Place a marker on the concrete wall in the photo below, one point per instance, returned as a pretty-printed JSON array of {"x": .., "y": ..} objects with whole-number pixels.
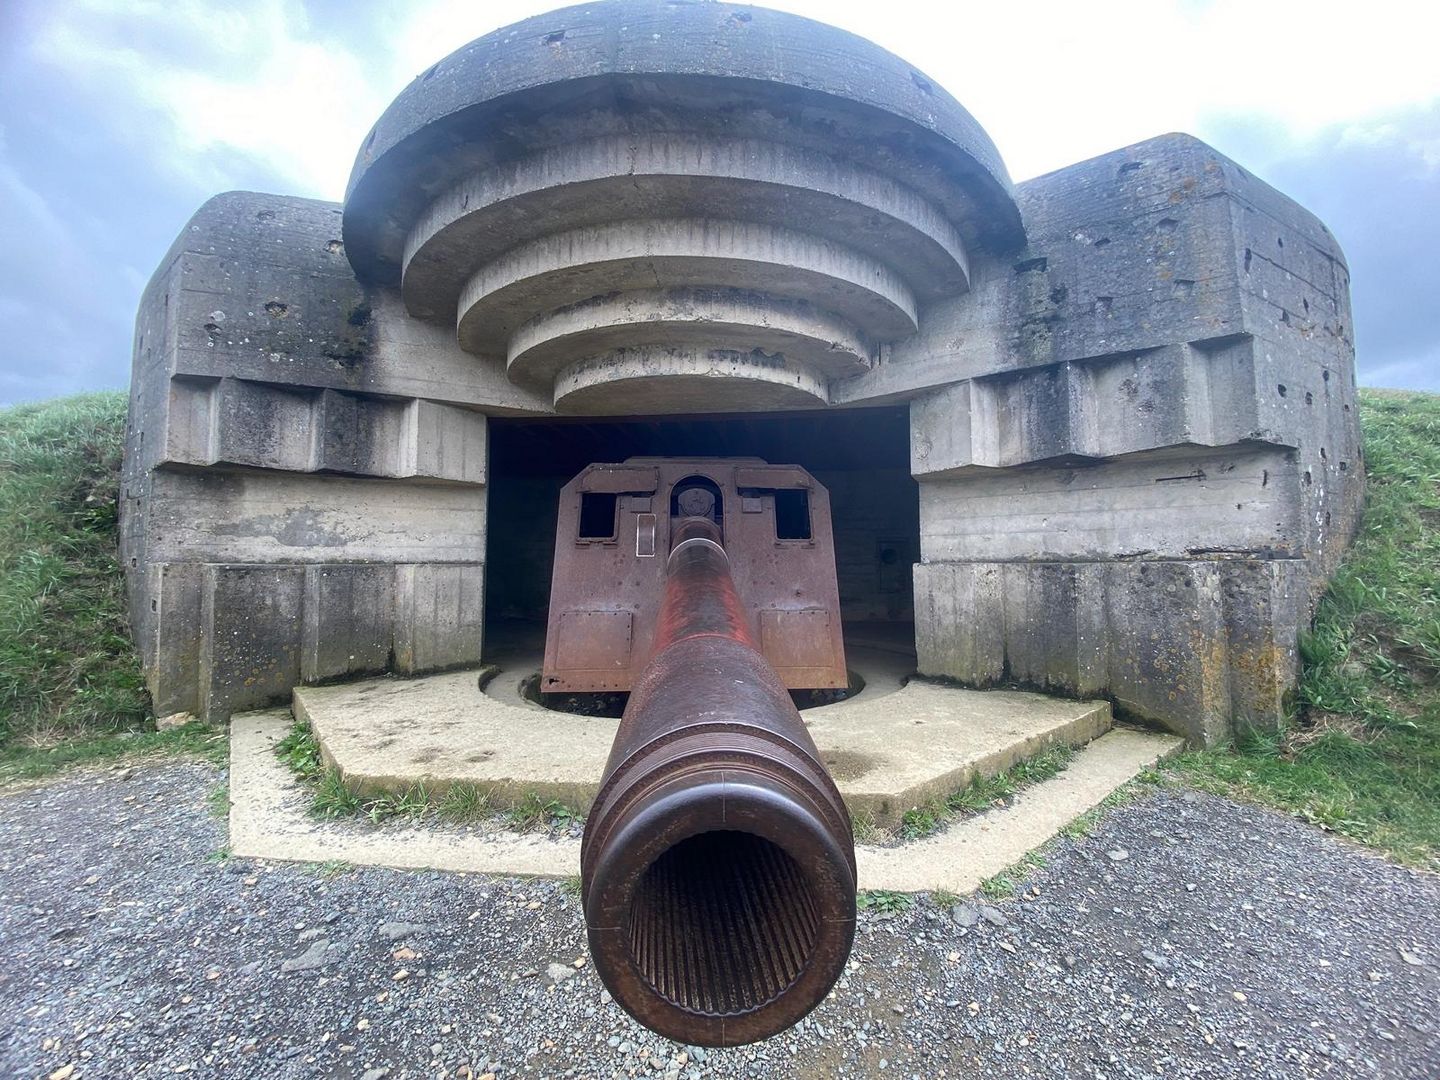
[
  {"x": 1163, "y": 456},
  {"x": 1130, "y": 382},
  {"x": 304, "y": 498}
]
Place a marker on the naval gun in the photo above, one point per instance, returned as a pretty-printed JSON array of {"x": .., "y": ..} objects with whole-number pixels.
[{"x": 718, "y": 862}]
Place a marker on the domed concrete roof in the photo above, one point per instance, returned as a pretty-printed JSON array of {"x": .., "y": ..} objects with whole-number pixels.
[{"x": 611, "y": 190}]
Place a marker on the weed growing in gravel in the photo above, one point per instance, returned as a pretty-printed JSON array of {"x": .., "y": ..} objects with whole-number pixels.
[
  {"x": 330, "y": 868},
  {"x": 571, "y": 885},
  {"x": 218, "y": 801},
  {"x": 943, "y": 898},
  {"x": 533, "y": 812},
  {"x": 883, "y": 901},
  {"x": 983, "y": 793},
  {"x": 1007, "y": 883},
  {"x": 1361, "y": 756}
]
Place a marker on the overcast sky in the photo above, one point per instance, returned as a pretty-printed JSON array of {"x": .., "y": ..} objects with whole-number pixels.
[{"x": 119, "y": 118}]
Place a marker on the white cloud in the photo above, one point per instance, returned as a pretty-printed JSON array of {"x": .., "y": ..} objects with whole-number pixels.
[
  {"x": 1053, "y": 81},
  {"x": 262, "y": 85}
]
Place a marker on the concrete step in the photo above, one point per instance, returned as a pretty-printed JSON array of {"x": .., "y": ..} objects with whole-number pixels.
[
  {"x": 268, "y": 820},
  {"x": 960, "y": 857},
  {"x": 894, "y": 746}
]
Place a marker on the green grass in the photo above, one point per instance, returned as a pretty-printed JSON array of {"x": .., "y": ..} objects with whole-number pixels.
[
  {"x": 463, "y": 802},
  {"x": 983, "y": 793},
  {"x": 67, "y": 667},
  {"x": 533, "y": 812},
  {"x": 332, "y": 797},
  {"x": 1361, "y": 755},
  {"x": 29, "y": 762},
  {"x": 883, "y": 901},
  {"x": 1007, "y": 883},
  {"x": 300, "y": 751}
]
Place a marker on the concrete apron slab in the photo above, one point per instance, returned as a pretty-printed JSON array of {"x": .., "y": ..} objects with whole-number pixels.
[
  {"x": 962, "y": 856},
  {"x": 268, "y": 820},
  {"x": 890, "y": 748}
]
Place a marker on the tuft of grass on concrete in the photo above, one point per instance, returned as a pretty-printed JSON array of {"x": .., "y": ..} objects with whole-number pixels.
[
  {"x": 332, "y": 797},
  {"x": 981, "y": 794},
  {"x": 532, "y": 812},
  {"x": 1361, "y": 755},
  {"x": 300, "y": 750},
  {"x": 68, "y": 672}
]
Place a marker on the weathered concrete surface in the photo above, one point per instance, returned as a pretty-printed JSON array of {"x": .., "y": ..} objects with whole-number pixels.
[
  {"x": 1131, "y": 382},
  {"x": 889, "y": 749},
  {"x": 291, "y": 469},
  {"x": 597, "y": 69},
  {"x": 889, "y": 753},
  {"x": 958, "y": 859},
  {"x": 1198, "y": 644},
  {"x": 268, "y": 821},
  {"x": 1164, "y": 451}
]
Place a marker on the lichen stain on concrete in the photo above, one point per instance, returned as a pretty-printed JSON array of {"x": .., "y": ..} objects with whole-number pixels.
[
  {"x": 300, "y": 528},
  {"x": 850, "y": 764}
]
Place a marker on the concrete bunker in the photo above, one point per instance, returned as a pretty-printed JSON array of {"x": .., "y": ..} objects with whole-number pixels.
[{"x": 1124, "y": 390}]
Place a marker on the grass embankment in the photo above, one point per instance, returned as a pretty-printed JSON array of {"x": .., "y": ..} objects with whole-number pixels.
[
  {"x": 1362, "y": 753},
  {"x": 70, "y": 684}
]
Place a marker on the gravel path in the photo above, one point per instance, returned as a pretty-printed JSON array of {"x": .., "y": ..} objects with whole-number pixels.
[{"x": 1188, "y": 937}]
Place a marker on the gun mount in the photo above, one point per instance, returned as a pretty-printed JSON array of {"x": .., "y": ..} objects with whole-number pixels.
[{"x": 718, "y": 864}]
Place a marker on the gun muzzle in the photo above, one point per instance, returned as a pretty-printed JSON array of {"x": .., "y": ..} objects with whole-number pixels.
[{"x": 718, "y": 864}]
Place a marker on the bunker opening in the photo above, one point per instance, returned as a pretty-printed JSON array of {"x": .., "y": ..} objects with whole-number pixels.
[
  {"x": 722, "y": 923},
  {"x": 860, "y": 456}
]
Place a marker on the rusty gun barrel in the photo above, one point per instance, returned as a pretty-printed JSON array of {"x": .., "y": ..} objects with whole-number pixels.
[{"x": 718, "y": 865}]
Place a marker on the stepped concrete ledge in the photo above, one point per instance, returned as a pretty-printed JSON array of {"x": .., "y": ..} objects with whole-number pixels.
[
  {"x": 890, "y": 748},
  {"x": 268, "y": 820}
]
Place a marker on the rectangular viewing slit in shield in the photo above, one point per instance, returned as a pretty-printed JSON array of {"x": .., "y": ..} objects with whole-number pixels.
[
  {"x": 644, "y": 536},
  {"x": 792, "y": 514},
  {"x": 597, "y": 515}
]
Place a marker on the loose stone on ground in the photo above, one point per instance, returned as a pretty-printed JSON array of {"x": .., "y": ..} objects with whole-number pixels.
[{"x": 1299, "y": 960}]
